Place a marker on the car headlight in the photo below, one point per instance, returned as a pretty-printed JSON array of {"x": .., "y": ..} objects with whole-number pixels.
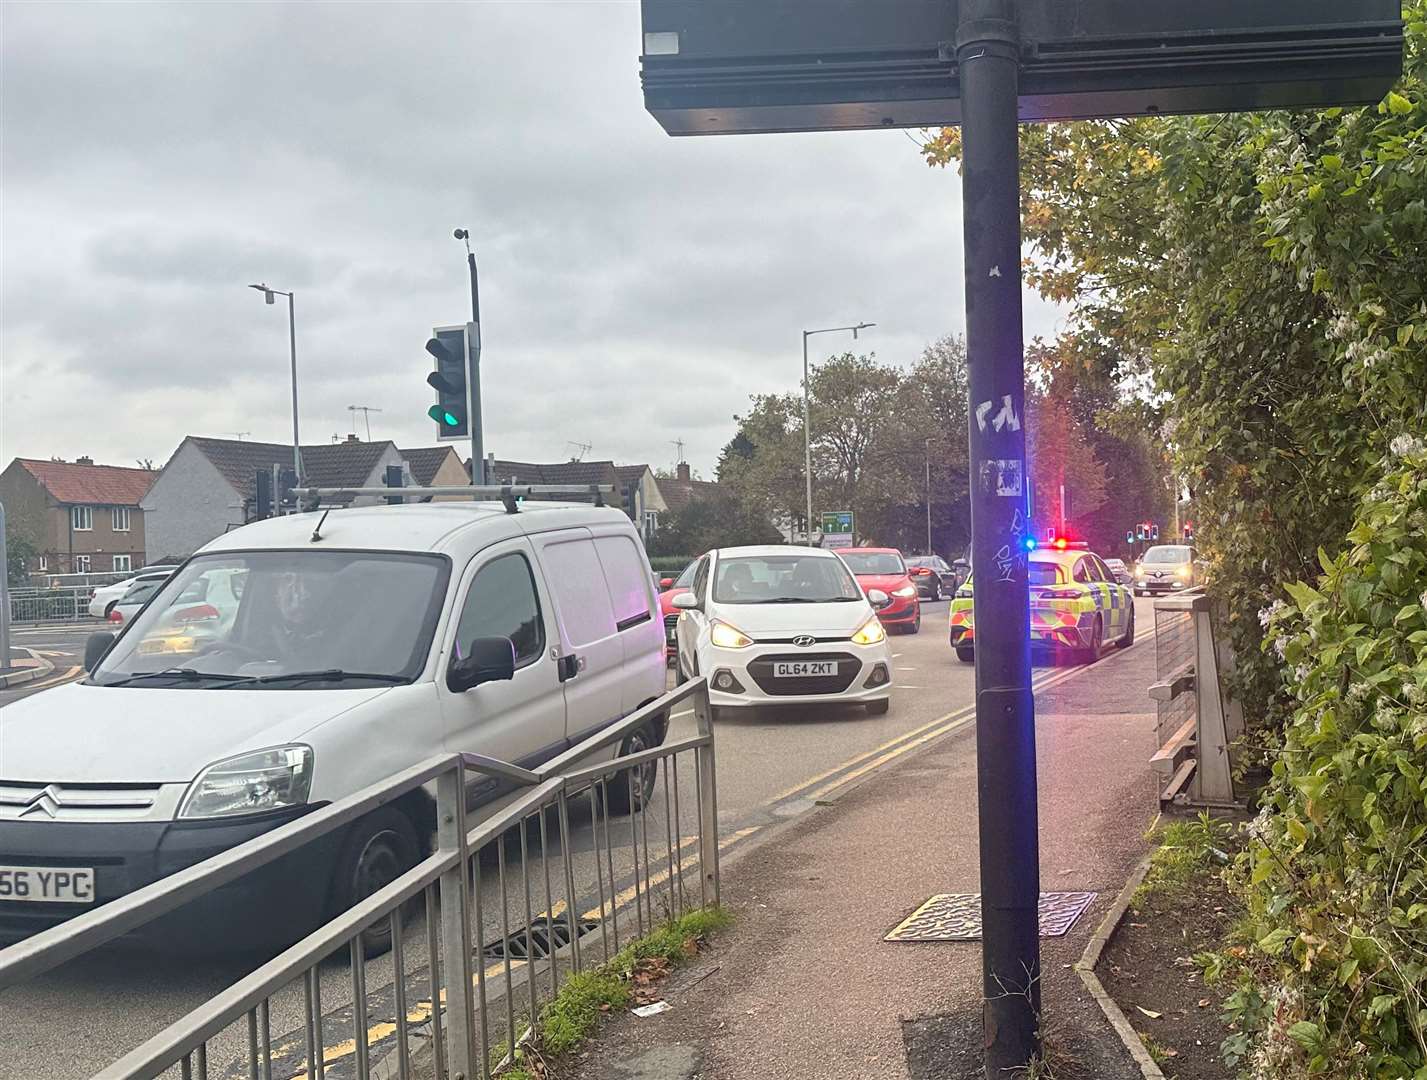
[
  {"x": 726, "y": 636},
  {"x": 963, "y": 593},
  {"x": 250, "y": 783},
  {"x": 1183, "y": 571},
  {"x": 905, "y": 590},
  {"x": 871, "y": 633}
]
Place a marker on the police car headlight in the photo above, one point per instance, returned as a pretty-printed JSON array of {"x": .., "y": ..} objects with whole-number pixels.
[
  {"x": 905, "y": 590},
  {"x": 871, "y": 633},
  {"x": 963, "y": 593},
  {"x": 251, "y": 783}
]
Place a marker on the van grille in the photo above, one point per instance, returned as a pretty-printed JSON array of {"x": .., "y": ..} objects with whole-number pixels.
[{"x": 28, "y": 801}]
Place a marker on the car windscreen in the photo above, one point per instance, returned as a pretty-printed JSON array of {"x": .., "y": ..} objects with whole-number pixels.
[
  {"x": 883, "y": 563},
  {"x": 783, "y": 579},
  {"x": 1044, "y": 573},
  {"x": 285, "y": 620},
  {"x": 1167, "y": 555},
  {"x": 686, "y": 579},
  {"x": 140, "y": 591}
]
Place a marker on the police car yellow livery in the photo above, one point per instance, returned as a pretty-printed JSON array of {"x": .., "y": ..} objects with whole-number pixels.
[{"x": 1076, "y": 605}]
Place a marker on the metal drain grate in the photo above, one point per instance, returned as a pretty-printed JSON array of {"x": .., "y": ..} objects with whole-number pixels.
[
  {"x": 541, "y": 933},
  {"x": 957, "y": 917}
]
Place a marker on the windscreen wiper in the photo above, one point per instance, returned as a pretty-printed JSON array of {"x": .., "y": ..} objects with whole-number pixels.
[
  {"x": 323, "y": 675},
  {"x": 182, "y": 674}
]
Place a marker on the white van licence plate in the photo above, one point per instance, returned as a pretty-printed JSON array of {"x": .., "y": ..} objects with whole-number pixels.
[
  {"x": 802, "y": 669},
  {"x": 47, "y": 884}
]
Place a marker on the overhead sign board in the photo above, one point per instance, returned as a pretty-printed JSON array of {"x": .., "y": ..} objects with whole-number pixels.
[{"x": 714, "y": 67}]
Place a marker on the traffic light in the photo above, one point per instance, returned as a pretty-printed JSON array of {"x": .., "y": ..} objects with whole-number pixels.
[
  {"x": 1129, "y": 536},
  {"x": 1154, "y": 532},
  {"x": 451, "y": 412},
  {"x": 286, "y": 482},
  {"x": 631, "y": 501},
  {"x": 395, "y": 478},
  {"x": 262, "y": 494},
  {"x": 1188, "y": 530}
]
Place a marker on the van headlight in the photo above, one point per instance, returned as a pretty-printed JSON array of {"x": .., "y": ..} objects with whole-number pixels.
[
  {"x": 726, "y": 636},
  {"x": 250, "y": 783},
  {"x": 871, "y": 633}
]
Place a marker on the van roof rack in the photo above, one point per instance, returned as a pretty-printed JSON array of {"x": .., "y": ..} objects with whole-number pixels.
[{"x": 509, "y": 494}]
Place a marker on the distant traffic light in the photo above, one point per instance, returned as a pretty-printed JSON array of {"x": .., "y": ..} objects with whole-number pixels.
[
  {"x": 262, "y": 494},
  {"x": 452, "y": 409},
  {"x": 1154, "y": 532},
  {"x": 395, "y": 478},
  {"x": 286, "y": 483},
  {"x": 1129, "y": 536}
]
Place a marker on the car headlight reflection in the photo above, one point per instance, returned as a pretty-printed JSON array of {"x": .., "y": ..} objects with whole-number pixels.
[
  {"x": 871, "y": 633},
  {"x": 727, "y": 636},
  {"x": 251, "y": 783}
]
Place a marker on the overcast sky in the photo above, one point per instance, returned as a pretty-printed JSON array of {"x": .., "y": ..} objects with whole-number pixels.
[{"x": 635, "y": 288}]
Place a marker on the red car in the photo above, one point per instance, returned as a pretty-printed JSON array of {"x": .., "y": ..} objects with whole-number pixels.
[
  {"x": 883, "y": 568},
  {"x": 668, "y": 611}
]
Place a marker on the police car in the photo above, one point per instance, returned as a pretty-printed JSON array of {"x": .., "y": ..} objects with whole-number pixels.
[{"x": 1076, "y": 604}]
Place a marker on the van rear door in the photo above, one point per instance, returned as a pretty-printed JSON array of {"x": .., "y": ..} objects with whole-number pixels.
[{"x": 636, "y": 615}]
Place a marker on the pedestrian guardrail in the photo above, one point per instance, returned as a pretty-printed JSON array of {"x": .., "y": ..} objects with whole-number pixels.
[
  {"x": 1195, "y": 727},
  {"x": 486, "y": 974},
  {"x": 66, "y": 604}
]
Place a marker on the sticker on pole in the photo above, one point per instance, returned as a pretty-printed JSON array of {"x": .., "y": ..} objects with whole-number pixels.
[{"x": 1002, "y": 476}]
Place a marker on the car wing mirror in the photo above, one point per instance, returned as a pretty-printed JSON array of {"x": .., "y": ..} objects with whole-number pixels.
[
  {"x": 686, "y": 601},
  {"x": 878, "y": 599},
  {"x": 489, "y": 659},
  {"x": 95, "y": 646}
]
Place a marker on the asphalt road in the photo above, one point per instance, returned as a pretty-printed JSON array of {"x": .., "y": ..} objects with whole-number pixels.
[
  {"x": 63, "y": 646},
  {"x": 772, "y": 765}
]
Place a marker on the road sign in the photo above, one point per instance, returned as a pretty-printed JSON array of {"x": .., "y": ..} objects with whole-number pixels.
[
  {"x": 837, "y": 522},
  {"x": 808, "y": 65}
]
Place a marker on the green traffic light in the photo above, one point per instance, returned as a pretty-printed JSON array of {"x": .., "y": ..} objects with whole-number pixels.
[{"x": 441, "y": 416}]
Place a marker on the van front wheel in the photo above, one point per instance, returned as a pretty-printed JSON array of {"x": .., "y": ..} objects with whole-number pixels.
[
  {"x": 381, "y": 847},
  {"x": 632, "y": 787}
]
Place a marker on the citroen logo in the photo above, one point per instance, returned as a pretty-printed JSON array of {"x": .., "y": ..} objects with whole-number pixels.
[
  {"x": 46, "y": 801},
  {"x": 802, "y": 641}
]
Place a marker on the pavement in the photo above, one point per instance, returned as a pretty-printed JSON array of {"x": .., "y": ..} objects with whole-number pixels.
[
  {"x": 23, "y": 666},
  {"x": 44, "y": 656},
  {"x": 805, "y": 986}
]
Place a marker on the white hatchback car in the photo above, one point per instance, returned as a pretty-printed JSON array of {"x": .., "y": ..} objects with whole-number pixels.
[{"x": 783, "y": 626}]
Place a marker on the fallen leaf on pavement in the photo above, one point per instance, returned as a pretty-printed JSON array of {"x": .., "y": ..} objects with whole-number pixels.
[
  {"x": 1149, "y": 1012},
  {"x": 1203, "y": 1002}
]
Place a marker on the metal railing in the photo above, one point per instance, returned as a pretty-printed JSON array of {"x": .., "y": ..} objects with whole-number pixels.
[
  {"x": 590, "y": 883},
  {"x": 1195, "y": 726},
  {"x": 65, "y": 604}
]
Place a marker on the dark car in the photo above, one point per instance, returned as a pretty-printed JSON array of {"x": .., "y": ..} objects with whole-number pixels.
[{"x": 933, "y": 577}]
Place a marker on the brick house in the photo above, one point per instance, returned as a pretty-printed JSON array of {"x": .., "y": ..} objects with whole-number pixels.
[
  {"x": 81, "y": 518},
  {"x": 636, "y": 491}
]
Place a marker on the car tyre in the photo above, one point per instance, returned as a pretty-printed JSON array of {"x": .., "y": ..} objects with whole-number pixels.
[
  {"x": 966, "y": 656},
  {"x": 1096, "y": 649},
  {"x": 110, "y": 607},
  {"x": 936, "y": 591},
  {"x": 1129, "y": 638},
  {"x": 916, "y": 627},
  {"x": 879, "y": 708},
  {"x": 380, "y": 848},
  {"x": 631, "y": 788}
]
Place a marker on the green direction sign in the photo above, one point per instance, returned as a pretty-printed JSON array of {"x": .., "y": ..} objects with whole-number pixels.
[{"x": 837, "y": 522}]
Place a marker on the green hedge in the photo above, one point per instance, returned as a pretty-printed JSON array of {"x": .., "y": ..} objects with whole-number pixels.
[{"x": 670, "y": 564}]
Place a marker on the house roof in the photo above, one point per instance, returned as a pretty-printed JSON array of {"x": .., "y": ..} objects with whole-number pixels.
[
  {"x": 679, "y": 493},
  {"x": 101, "y": 484},
  {"x": 425, "y": 462},
  {"x": 344, "y": 464},
  {"x": 560, "y": 472},
  {"x": 630, "y": 474}
]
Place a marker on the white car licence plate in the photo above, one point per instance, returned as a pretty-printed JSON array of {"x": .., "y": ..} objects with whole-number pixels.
[
  {"x": 801, "y": 669},
  {"x": 47, "y": 884}
]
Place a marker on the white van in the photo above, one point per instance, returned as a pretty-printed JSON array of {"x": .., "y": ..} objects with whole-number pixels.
[{"x": 335, "y": 658}]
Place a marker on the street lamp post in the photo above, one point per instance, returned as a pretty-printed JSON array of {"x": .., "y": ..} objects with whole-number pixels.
[
  {"x": 807, "y": 429},
  {"x": 929, "y": 495},
  {"x": 268, "y": 295}
]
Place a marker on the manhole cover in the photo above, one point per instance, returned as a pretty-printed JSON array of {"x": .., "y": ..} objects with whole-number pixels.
[
  {"x": 542, "y": 933},
  {"x": 957, "y": 917}
]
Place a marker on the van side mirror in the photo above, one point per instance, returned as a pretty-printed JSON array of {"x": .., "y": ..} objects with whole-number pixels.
[
  {"x": 95, "y": 646},
  {"x": 489, "y": 659},
  {"x": 686, "y": 601}
]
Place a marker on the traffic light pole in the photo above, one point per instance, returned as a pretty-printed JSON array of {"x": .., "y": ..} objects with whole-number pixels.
[
  {"x": 473, "y": 375},
  {"x": 987, "y": 49}
]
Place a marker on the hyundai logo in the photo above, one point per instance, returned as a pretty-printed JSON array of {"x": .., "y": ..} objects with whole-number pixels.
[
  {"x": 803, "y": 641},
  {"x": 46, "y": 801}
]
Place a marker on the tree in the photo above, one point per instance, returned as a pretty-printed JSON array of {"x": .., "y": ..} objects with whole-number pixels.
[{"x": 720, "y": 519}]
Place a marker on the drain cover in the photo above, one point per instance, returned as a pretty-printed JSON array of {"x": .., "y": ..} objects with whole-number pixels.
[
  {"x": 541, "y": 935},
  {"x": 957, "y": 917}
]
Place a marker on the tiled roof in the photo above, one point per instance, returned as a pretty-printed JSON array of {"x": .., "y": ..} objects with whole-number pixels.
[
  {"x": 560, "y": 472},
  {"x": 344, "y": 464},
  {"x": 99, "y": 484},
  {"x": 679, "y": 493},
  {"x": 630, "y": 474},
  {"x": 425, "y": 462}
]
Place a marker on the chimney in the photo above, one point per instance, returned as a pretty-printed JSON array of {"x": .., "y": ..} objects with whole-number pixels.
[
  {"x": 84, "y": 461},
  {"x": 353, "y": 437},
  {"x": 682, "y": 470}
]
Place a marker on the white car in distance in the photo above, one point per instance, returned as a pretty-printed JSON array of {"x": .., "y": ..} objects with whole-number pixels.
[
  {"x": 782, "y": 626},
  {"x": 106, "y": 597}
]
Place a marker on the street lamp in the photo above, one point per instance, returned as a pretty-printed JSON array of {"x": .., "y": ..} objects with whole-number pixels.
[
  {"x": 807, "y": 430},
  {"x": 268, "y": 295},
  {"x": 929, "y": 495}
]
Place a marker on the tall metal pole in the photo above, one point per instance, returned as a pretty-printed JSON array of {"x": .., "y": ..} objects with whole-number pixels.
[
  {"x": 473, "y": 372},
  {"x": 292, "y": 344},
  {"x": 987, "y": 49},
  {"x": 928, "y": 449},
  {"x": 807, "y": 447}
]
